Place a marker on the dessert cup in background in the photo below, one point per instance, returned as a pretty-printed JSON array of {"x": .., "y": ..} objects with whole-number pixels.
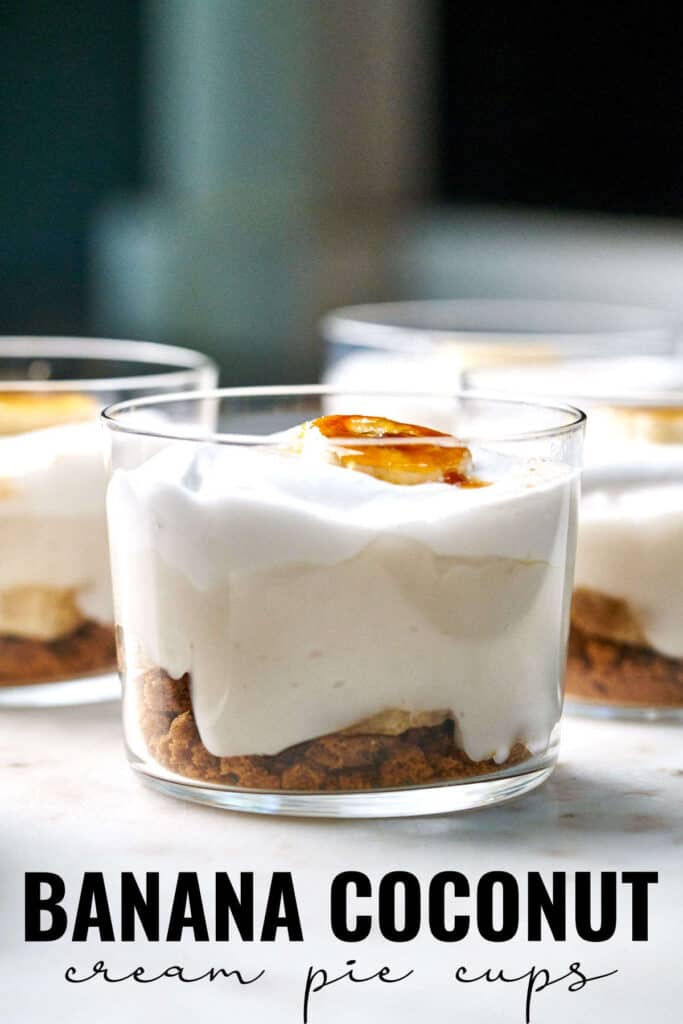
[
  {"x": 57, "y": 642},
  {"x": 333, "y": 613},
  {"x": 427, "y": 345},
  {"x": 626, "y": 640}
]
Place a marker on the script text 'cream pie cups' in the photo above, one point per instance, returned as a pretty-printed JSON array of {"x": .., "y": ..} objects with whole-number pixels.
[
  {"x": 328, "y": 612},
  {"x": 626, "y": 641},
  {"x": 56, "y": 620}
]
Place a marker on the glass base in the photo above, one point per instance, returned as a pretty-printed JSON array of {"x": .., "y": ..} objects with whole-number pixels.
[
  {"x": 593, "y": 709},
  {"x": 417, "y": 800},
  {"x": 85, "y": 690}
]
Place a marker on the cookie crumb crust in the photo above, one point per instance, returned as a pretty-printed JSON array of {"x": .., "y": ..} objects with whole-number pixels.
[
  {"x": 89, "y": 649},
  {"x": 603, "y": 671},
  {"x": 340, "y": 761}
]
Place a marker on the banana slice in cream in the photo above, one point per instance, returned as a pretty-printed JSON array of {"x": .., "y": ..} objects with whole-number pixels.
[{"x": 39, "y": 612}]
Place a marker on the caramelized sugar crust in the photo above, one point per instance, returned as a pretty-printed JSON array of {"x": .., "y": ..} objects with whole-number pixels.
[
  {"x": 346, "y": 760},
  {"x": 406, "y": 464},
  {"x": 659, "y": 424},
  {"x": 22, "y": 411}
]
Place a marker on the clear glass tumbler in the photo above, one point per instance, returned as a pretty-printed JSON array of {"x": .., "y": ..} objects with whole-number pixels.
[
  {"x": 56, "y": 619},
  {"x": 428, "y": 345},
  {"x": 626, "y": 640},
  {"x": 324, "y": 608}
]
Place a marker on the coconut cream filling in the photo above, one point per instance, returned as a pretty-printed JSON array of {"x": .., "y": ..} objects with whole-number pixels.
[
  {"x": 53, "y": 537},
  {"x": 630, "y": 543},
  {"x": 302, "y": 597}
]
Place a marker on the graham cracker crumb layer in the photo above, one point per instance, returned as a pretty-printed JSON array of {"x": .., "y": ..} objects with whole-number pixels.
[
  {"x": 602, "y": 671},
  {"x": 88, "y": 650},
  {"x": 340, "y": 761}
]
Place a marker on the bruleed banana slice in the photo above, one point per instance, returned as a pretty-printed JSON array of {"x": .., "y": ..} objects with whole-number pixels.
[
  {"x": 442, "y": 461},
  {"x": 609, "y": 618},
  {"x": 22, "y": 411},
  {"x": 395, "y": 721},
  {"x": 658, "y": 424}
]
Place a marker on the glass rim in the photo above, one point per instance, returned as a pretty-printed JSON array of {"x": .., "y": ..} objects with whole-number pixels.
[
  {"x": 183, "y": 362},
  {"x": 370, "y": 325},
  {"x": 108, "y": 416}
]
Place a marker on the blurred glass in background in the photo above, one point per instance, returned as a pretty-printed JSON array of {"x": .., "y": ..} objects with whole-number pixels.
[{"x": 219, "y": 173}]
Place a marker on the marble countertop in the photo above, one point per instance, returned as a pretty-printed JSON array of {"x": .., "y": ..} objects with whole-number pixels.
[{"x": 614, "y": 803}]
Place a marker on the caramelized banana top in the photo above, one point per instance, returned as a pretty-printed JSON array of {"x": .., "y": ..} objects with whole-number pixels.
[
  {"x": 660, "y": 424},
  {"x": 22, "y": 411},
  {"x": 406, "y": 464}
]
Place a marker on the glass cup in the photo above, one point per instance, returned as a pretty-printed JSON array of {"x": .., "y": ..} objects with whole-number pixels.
[
  {"x": 428, "y": 345},
  {"x": 323, "y": 609},
  {"x": 626, "y": 640},
  {"x": 57, "y": 641}
]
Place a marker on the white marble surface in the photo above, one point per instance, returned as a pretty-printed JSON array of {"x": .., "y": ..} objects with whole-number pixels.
[{"x": 71, "y": 805}]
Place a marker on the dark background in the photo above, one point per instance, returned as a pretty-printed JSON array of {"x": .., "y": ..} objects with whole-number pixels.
[
  {"x": 69, "y": 134},
  {"x": 581, "y": 112}
]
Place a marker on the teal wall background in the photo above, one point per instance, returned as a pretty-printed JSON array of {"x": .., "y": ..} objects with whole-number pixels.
[{"x": 69, "y": 136}]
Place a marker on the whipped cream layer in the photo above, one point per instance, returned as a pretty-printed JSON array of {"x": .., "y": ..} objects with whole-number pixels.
[
  {"x": 52, "y": 521},
  {"x": 303, "y": 597},
  {"x": 630, "y": 543}
]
